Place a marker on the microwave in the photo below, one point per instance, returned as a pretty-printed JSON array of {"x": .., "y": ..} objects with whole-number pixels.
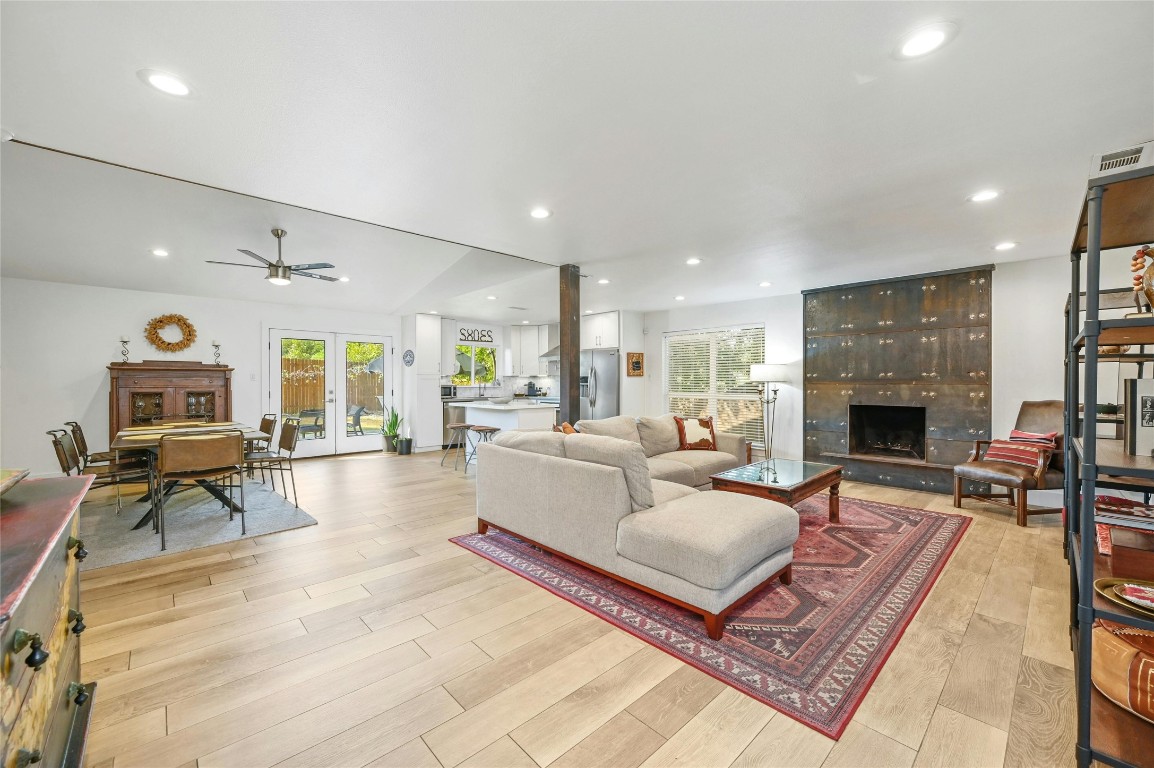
[{"x": 447, "y": 391}]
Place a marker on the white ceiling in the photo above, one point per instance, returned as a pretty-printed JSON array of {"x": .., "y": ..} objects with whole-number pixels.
[{"x": 777, "y": 141}]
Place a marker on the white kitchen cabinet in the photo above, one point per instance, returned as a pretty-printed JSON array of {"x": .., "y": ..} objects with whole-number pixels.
[
  {"x": 526, "y": 345},
  {"x": 514, "y": 356},
  {"x": 427, "y": 349},
  {"x": 429, "y": 413},
  {"x": 449, "y": 329},
  {"x": 600, "y": 331},
  {"x": 530, "y": 351}
]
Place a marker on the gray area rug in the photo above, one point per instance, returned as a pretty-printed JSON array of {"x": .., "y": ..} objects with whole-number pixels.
[{"x": 192, "y": 519}]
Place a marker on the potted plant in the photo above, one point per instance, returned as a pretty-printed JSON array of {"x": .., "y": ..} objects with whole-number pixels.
[
  {"x": 391, "y": 428},
  {"x": 405, "y": 444}
]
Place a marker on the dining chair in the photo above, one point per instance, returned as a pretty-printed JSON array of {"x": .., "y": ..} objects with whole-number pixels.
[
  {"x": 112, "y": 473},
  {"x": 280, "y": 458},
  {"x": 100, "y": 457},
  {"x": 354, "y": 420},
  {"x": 212, "y": 457}
]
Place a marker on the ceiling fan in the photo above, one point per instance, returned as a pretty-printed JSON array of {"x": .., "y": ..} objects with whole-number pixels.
[{"x": 280, "y": 273}]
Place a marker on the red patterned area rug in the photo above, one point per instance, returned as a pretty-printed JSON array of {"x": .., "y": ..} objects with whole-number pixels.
[{"x": 810, "y": 650}]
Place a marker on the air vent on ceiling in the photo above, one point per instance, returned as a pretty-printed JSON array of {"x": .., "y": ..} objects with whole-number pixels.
[
  {"x": 1140, "y": 156},
  {"x": 520, "y": 309}
]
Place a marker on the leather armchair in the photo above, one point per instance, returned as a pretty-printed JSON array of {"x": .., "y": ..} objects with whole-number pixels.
[{"x": 1018, "y": 480}]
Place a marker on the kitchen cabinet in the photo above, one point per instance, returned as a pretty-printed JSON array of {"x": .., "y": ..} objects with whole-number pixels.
[
  {"x": 428, "y": 345},
  {"x": 137, "y": 392},
  {"x": 526, "y": 345},
  {"x": 449, "y": 331},
  {"x": 601, "y": 331}
]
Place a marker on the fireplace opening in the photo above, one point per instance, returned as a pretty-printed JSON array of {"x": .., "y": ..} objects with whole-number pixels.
[{"x": 888, "y": 430}]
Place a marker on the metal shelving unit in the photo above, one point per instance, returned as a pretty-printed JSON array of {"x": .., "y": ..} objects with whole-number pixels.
[{"x": 1118, "y": 213}]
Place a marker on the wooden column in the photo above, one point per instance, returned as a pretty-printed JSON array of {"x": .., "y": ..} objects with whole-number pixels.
[{"x": 570, "y": 343}]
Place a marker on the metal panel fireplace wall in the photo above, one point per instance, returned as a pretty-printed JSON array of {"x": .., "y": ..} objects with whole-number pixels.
[{"x": 919, "y": 342}]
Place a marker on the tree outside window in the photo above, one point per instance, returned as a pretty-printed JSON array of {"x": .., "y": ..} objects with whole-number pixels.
[{"x": 475, "y": 365}]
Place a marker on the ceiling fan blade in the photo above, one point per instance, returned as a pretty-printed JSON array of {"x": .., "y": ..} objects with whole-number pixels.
[
  {"x": 234, "y": 264},
  {"x": 315, "y": 277},
  {"x": 295, "y": 267},
  {"x": 261, "y": 259}
]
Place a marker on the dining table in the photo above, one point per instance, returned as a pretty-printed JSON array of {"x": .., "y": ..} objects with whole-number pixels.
[{"x": 146, "y": 438}]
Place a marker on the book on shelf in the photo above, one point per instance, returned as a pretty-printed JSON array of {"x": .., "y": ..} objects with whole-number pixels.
[{"x": 1123, "y": 513}]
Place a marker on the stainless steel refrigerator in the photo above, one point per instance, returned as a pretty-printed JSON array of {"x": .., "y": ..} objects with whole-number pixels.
[{"x": 600, "y": 383}]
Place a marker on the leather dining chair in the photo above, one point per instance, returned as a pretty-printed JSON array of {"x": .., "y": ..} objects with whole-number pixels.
[
  {"x": 1042, "y": 416},
  {"x": 213, "y": 457},
  {"x": 279, "y": 459},
  {"x": 100, "y": 457},
  {"x": 112, "y": 473}
]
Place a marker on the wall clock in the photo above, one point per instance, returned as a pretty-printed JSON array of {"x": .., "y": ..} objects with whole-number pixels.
[{"x": 408, "y": 357}]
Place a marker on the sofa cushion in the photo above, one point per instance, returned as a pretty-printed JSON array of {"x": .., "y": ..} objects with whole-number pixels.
[
  {"x": 664, "y": 491},
  {"x": 613, "y": 452},
  {"x": 696, "y": 434},
  {"x": 703, "y": 463},
  {"x": 671, "y": 471},
  {"x": 621, "y": 427},
  {"x": 709, "y": 538},
  {"x": 658, "y": 434},
  {"x": 533, "y": 441}
]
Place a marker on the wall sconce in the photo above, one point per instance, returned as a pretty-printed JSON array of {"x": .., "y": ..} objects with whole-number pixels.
[
  {"x": 215, "y": 352},
  {"x": 124, "y": 348}
]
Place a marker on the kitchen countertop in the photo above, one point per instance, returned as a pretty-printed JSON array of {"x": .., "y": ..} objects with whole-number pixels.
[{"x": 513, "y": 406}]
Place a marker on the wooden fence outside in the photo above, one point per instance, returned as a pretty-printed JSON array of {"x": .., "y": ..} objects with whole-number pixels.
[{"x": 303, "y": 387}]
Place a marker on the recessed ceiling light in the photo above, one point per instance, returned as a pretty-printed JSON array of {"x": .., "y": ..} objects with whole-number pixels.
[
  {"x": 159, "y": 252},
  {"x": 432, "y": 311},
  {"x": 1004, "y": 246},
  {"x": 491, "y": 298},
  {"x": 983, "y": 196},
  {"x": 540, "y": 213},
  {"x": 524, "y": 322},
  {"x": 603, "y": 281},
  {"x": 343, "y": 279},
  {"x": 588, "y": 311},
  {"x": 679, "y": 298},
  {"x": 693, "y": 262},
  {"x": 926, "y": 40},
  {"x": 764, "y": 284},
  {"x": 163, "y": 81}
]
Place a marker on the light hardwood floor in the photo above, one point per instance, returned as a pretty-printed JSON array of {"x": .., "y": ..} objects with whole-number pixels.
[{"x": 370, "y": 640}]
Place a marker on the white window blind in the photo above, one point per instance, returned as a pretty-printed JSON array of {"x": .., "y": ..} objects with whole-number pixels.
[{"x": 707, "y": 374}]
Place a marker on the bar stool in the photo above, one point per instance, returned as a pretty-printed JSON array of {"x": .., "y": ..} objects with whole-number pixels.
[
  {"x": 484, "y": 435},
  {"x": 458, "y": 442}
]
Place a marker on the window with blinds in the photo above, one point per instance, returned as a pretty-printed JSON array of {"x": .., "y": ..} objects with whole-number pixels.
[{"x": 707, "y": 374}]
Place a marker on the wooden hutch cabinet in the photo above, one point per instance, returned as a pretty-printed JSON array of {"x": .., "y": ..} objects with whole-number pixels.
[{"x": 139, "y": 391}]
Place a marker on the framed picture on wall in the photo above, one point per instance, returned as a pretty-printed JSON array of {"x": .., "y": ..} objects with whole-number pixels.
[{"x": 634, "y": 363}]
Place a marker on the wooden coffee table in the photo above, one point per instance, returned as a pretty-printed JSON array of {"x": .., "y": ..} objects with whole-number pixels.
[{"x": 783, "y": 480}]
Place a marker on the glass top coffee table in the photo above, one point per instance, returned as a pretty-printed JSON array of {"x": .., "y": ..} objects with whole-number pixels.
[{"x": 783, "y": 480}]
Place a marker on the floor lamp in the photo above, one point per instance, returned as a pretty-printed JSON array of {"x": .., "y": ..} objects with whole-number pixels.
[{"x": 768, "y": 374}]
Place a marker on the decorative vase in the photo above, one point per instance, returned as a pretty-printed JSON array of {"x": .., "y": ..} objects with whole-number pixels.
[{"x": 390, "y": 443}]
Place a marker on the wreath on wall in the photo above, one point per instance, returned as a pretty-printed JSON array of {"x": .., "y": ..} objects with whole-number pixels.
[{"x": 158, "y": 324}]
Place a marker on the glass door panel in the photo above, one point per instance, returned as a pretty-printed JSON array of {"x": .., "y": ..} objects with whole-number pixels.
[
  {"x": 367, "y": 391},
  {"x": 302, "y": 387}
]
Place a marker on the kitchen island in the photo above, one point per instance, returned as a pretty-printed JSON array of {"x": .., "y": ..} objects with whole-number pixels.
[{"x": 512, "y": 415}]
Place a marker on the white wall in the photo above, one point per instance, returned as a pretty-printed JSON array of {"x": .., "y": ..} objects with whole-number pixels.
[{"x": 56, "y": 341}]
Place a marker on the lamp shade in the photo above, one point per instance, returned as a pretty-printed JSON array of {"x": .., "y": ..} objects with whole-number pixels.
[{"x": 769, "y": 373}]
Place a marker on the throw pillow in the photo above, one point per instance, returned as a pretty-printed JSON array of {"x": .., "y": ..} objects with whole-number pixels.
[
  {"x": 658, "y": 434},
  {"x": 696, "y": 434},
  {"x": 1011, "y": 452},
  {"x": 567, "y": 428},
  {"x": 1047, "y": 440}
]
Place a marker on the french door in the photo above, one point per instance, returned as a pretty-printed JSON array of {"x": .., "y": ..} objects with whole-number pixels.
[{"x": 337, "y": 384}]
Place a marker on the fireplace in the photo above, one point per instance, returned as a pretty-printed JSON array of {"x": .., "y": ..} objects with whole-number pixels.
[{"x": 888, "y": 430}]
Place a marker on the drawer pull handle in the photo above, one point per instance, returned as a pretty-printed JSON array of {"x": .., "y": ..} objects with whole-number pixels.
[
  {"x": 79, "y": 694},
  {"x": 78, "y": 545},
  {"x": 78, "y": 617},
  {"x": 22, "y": 639},
  {"x": 27, "y": 757}
]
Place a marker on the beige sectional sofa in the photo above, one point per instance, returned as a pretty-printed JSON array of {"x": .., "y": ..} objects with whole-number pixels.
[
  {"x": 590, "y": 498},
  {"x": 657, "y": 436}
]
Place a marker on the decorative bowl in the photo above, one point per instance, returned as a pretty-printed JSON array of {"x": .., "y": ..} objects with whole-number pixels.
[
  {"x": 1114, "y": 349},
  {"x": 500, "y": 400}
]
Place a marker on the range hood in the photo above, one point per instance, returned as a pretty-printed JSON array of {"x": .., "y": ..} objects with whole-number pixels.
[{"x": 552, "y": 354}]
